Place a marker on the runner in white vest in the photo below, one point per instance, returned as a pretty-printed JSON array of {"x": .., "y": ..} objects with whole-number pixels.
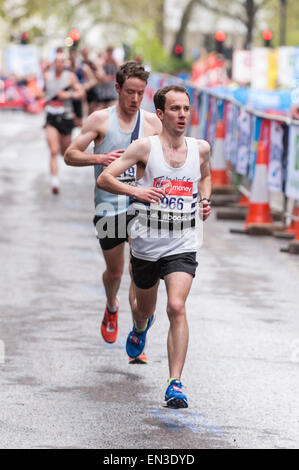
[{"x": 173, "y": 174}]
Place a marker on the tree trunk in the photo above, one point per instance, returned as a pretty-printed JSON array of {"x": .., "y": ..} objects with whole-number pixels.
[
  {"x": 180, "y": 35},
  {"x": 283, "y": 16},
  {"x": 250, "y": 18},
  {"x": 160, "y": 20}
]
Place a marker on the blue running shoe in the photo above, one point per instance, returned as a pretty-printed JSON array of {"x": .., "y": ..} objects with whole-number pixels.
[
  {"x": 174, "y": 397},
  {"x": 136, "y": 341}
]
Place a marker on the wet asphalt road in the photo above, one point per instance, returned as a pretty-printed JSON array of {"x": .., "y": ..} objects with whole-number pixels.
[{"x": 63, "y": 387}]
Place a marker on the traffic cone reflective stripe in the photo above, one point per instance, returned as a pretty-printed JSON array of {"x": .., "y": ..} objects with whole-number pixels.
[
  {"x": 219, "y": 172},
  {"x": 259, "y": 209}
]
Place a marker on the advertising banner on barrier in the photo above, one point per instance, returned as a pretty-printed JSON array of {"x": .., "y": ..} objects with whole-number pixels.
[
  {"x": 265, "y": 136},
  {"x": 275, "y": 163},
  {"x": 203, "y": 114},
  {"x": 244, "y": 143},
  {"x": 257, "y": 125},
  {"x": 292, "y": 186},
  {"x": 232, "y": 133}
]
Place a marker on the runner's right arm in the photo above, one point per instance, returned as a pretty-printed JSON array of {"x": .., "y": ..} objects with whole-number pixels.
[
  {"x": 75, "y": 155},
  {"x": 136, "y": 153}
]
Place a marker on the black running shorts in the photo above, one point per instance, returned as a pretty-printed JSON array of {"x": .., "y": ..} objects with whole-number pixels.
[
  {"x": 118, "y": 224},
  {"x": 64, "y": 126},
  {"x": 147, "y": 273}
]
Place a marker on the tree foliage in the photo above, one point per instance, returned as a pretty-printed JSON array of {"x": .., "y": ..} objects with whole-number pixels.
[
  {"x": 274, "y": 19},
  {"x": 124, "y": 13},
  {"x": 148, "y": 45}
]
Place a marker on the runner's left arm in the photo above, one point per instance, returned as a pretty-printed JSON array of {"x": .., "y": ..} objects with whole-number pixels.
[{"x": 205, "y": 183}]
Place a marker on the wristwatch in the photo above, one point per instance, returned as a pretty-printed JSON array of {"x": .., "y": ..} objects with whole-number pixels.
[{"x": 205, "y": 199}]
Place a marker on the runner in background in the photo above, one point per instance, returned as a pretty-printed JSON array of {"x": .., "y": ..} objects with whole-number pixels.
[
  {"x": 87, "y": 79},
  {"x": 61, "y": 87},
  {"x": 107, "y": 95}
]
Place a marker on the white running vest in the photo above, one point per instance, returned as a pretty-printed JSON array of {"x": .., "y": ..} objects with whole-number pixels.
[{"x": 169, "y": 227}]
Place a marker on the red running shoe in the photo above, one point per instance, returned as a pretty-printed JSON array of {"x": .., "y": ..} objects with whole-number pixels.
[{"x": 109, "y": 328}]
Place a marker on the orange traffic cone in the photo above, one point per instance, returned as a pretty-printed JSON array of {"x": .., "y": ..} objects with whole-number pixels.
[
  {"x": 293, "y": 228},
  {"x": 259, "y": 214},
  {"x": 294, "y": 244},
  {"x": 244, "y": 201},
  {"x": 293, "y": 247},
  {"x": 220, "y": 176}
]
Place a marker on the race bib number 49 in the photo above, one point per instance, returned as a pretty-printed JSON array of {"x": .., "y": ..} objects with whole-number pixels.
[{"x": 128, "y": 176}]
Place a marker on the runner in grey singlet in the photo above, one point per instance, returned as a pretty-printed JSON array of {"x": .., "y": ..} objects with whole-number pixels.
[{"x": 115, "y": 139}]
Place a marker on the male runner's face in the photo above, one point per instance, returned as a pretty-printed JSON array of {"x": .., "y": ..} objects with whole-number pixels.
[
  {"x": 130, "y": 95},
  {"x": 176, "y": 112}
]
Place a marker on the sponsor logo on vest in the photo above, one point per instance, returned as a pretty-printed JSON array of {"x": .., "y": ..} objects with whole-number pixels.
[{"x": 174, "y": 187}]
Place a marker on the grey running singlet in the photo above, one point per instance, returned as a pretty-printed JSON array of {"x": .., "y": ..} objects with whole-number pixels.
[
  {"x": 53, "y": 86},
  {"x": 107, "y": 203}
]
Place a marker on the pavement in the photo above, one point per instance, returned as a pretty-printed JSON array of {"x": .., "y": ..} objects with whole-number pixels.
[{"x": 63, "y": 387}]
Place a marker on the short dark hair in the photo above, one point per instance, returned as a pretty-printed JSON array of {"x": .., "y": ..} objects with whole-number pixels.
[
  {"x": 131, "y": 69},
  {"x": 160, "y": 95}
]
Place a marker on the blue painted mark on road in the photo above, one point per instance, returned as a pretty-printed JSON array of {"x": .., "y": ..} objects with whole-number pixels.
[
  {"x": 203, "y": 422},
  {"x": 195, "y": 422},
  {"x": 185, "y": 421},
  {"x": 166, "y": 420}
]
